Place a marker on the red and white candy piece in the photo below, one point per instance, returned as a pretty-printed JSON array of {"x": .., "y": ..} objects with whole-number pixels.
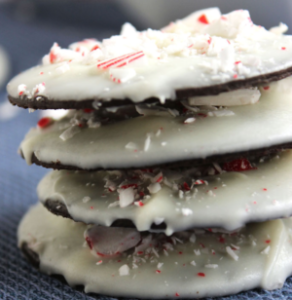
[
  {"x": 120, "y": 61},
  {"x": 238, "y": 165},
  {"x": 21, "y": 89},
  {"x": 122, "y": 75},
  {"x": 45, "y": 122},
  {"x": 111, "y": 241}
]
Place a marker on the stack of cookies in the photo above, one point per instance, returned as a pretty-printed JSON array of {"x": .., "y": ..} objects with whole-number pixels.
[{"x": 172, "y": 162}]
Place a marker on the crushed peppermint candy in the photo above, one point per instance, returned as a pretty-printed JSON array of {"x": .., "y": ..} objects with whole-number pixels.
[
  {"x": 69, "y": 133},
  {"x": 266, "y": 250},
  {"x": 131, "y": 146},
  {"x": 86, "y": 199},
  {"x": 147, "y": 143},
  {"x": 211, "y": 266},
  {"x": 21, "y": 89},
  {"x": 126, "y": 196},
  {"x": 189, "y": 120},
  {"x": 45, "y": 122},
  {"x": 231, "y": 253},
  {"x": 124, "y": 270},
  {"x": 154, "y": 188}
]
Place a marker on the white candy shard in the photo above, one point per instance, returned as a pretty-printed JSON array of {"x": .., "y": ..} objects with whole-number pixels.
[
  {"x": 131, "y": 146},
  {"x": 192, "y": 238},
  {"x": 231, "y": 253},
  {"x": 211, "y": 266},
  {"x": 126, "y": 196},
  {"x": 110, "y": 241},
  {"x": 190, "y": 120},
  {"x": 279, "y": 30},
  {"x": 147, "y": 143},
  {"x": 221, "y": 113},
  {"x": 128, "y": 29},
  {"x": 266, "y": 250},
  {"x": 233, "y": 98},
  {"x": 159, "y": 265},
  {"x": 69, "y": 133},
  {"x": 122, "y": 75},
  {"x": 86, "y": 199},
  {"x": 186, "y": 211},
  {"x": 154, "y": 188},
  {"x": 124, "y": 270}
]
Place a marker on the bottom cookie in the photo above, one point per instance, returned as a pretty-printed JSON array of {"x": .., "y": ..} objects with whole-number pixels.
[{"x": 192, "y": 264}]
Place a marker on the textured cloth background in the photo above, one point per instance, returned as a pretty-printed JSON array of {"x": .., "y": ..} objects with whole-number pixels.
[{"x": 18, "y": 280}]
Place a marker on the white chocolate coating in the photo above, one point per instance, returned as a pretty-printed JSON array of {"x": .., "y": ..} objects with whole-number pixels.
[
  {"x": 229, "y": 200},
  {"x": 192, "y": 53},
  {"x": 260, "y": 255},
  {"x": 264, "y": 124}
]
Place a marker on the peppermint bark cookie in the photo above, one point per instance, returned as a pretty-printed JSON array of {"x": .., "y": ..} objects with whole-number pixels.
[
  {"x": 188, "y": 58},
  {"x": 174, "y": 201},
  {"x": 190, "y": 264},
  {"x": 165, "y": 137}
]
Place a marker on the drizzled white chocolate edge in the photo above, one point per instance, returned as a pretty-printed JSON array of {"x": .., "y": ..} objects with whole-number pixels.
[
  {"x": 227, "y": 200},
  {"x": 155, "y": 140},
  {"x": 206, "y": 265},
  {"x": 203, "y": 50}
]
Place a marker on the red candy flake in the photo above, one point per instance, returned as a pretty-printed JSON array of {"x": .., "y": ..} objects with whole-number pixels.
[
  {"x": 126, "y": 186},
  {"x": 238, "y": 62},
  {"x": 20, "y": 93},
  {"x": 238, "y": 165},
  {"x": 53, "y": 57},
  {"x": 235, "y": 76},
  {"x": 221, "y": 240},
  {"x": 89, "y": 242},
  {"x": 202, "y": 245},
  {"x": 223, "y": 18},
  {"x": 202, "y": 115},
  {"x": 91, "y": 207},
  {"x": 120, "y": 61},
  {"x": 266, "y": 88},
  {"x": 142, "y": 194},
  {"x": 200, "y": 274},
  {"x": 140, "y": 203},
  {"x": 158, "y": 271},
  {"x": 88, "y": 110},
  {"x": 176, "y": 294},
  {"x": 209, "y": 40},
  {"x": 203, "y": 19},
  {"x": 186, "y": 186},
  {"x": 140, "y": 252},
  {"x": 44, "y": 122},
  {"x": 180, "y": 253},
  {"x": 267, "y": 241},
  {"x": 41, "y": 73},
  {"x": 283, "y": 48},
  {"x": 94, "y": 48},
  {"x": 159, "y": 179},
  {"x": 265, "y": 190}
]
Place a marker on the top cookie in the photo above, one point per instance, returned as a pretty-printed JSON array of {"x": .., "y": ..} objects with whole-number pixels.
[{"x": 204, "y": 54}]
